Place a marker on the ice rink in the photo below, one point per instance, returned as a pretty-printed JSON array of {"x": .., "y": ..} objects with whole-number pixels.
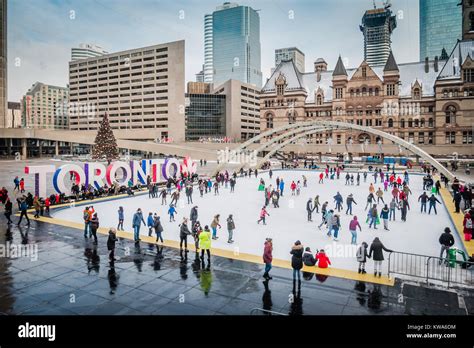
[{"x": 419, "y": 235}]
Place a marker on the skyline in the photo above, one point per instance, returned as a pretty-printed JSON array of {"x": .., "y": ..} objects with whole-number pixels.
[{"x": 49, "y": 27}]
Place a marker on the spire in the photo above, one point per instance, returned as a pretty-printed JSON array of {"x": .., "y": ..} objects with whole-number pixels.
[
  {"x": 339, "y": 69},
  {"x": 391, "y": 64}
]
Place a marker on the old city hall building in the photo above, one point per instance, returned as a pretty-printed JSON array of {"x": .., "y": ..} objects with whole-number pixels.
[{"x": 428, "y": 103}]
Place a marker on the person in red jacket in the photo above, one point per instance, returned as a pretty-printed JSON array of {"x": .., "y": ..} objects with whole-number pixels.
[
  {"x": 22, "y": 185},
  {"x": 467, "y": 223},
  {"x": 321, "y": 177},
  {"x": 267, "y": 257},
  {"x": 322, "y": 259},
  {"x": 293, "y": 188},
  {"x": 47, "y": 204}
]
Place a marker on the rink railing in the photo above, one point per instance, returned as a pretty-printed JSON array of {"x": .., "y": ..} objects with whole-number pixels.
[{"x": 431, "y": 268}]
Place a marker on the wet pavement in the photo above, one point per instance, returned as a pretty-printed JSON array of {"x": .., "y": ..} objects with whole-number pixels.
[{"x": 68, "y": 275}]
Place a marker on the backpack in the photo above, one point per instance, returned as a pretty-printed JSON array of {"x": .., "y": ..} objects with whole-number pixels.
[
  {"x": 469, "y": 224},
  {"x": 86, "y": 216}
]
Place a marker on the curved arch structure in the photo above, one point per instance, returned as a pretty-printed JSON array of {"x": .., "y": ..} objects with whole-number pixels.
[{"x": 298, "y": 130}]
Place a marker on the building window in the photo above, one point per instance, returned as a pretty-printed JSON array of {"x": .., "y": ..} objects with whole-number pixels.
[
  {"x": 422, "y": 123},
  {"x": 411, "y": 138},
  {"x": 421, "y": 138},
  {"x": 339, "y": 93},
  {"x": 417, "y": 123},
  {"x": 430, "y": 122},
  {"x": 292, "y": 117},
  {"x": 364, "y": 91},
  {"x": 351, "y": 93},
  {"x": 471, "y": 21},
  {"x": 410, "y": 123},
  {"x": 445, "y": 93},
  {"x": 338, "y": 139},
  {"x": 467, "y": 137},
  {"x": 450, "y": 137},
  {"x": 391, "y": 89},
  {"x": 269, "y": 119},
  {"x": 430, "y": 137},
  {"x": 450, "y": 115},
  {"x": 402, "y": 123},
  {"x": 319, "y": 100},
  {"x": 416, "y": 93},
  {"x": 390, "y": 123},
  {"x": 468, "y": 75},
  {"x": 280, "y": 89},
  {"x": 364, "y": 72},
  {"x": 376, "y": 91}
]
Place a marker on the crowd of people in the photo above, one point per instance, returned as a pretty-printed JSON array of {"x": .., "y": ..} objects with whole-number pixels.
[{"x": 387, "y": 190}]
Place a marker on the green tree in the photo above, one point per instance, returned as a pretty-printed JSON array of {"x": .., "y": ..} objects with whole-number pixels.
[{"x": 105, "y": 145}]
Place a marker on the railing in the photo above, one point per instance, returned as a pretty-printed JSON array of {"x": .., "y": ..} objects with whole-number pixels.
[
  {"x": 266, "y": 311},
  {"x": 431, "y": 268}
]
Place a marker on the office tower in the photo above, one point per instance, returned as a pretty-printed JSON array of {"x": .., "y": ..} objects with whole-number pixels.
[
  {"x": 45, "y": 106},
  {"x": 3, "y": 63},
  {"x": 290, "y": 53},
  {"x": 440, "y": 27},
  {"x": 200, "y": 75},
  {"x": 236, "y": 44},
  {"x": 377, "y": 26},
  {"x": 13, "y": 119},
  {"x": 86, "y": 51},
  {"x": 141, "y": 89},
  {"x": 208, "y": 69}
]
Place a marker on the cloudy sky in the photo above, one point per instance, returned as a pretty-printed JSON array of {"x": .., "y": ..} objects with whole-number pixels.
[{"x": 42, "y": 32}]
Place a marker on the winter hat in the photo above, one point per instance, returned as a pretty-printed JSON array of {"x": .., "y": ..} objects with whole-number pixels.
[
  {"x": 307, "y": 249},
  {"x": 268, "y": 239},
  {"x": 297, "y": 242},
  {"x": 447, "y": 230}
]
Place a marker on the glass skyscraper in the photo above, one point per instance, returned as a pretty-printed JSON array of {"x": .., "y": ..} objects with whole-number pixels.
[
  {"x": 440, "y": 26},
  {"x": 205, "y": 116},
  {"x": 236, "y": 44}
]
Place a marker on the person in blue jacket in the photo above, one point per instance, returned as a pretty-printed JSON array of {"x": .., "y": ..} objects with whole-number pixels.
[
  {"x": 171, "y": 212},
  {"x": 136, "y": 222},
  {"x": 150, "y": 223},
  {"x": 282, "y": 187}
]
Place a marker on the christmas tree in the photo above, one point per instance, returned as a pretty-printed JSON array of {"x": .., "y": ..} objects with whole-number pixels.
[{"x": 105, "y": 145}]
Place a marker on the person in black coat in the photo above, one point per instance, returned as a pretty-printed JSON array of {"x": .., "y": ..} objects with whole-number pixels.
[
  {"x": 111, "y": 243},
  {"x": 457, "y": 201},
  {"x": 447, "y": 241},
  {"x": 193, "y": 216},
  {"x": 308, "y": 257},
  {"x": 8, "y": 210},
  {"x": 297, "y": 260},
  {"x": 376, "y": 248},
  {"x": 183, "y": 235},
  {"x": 309, "y": 209}
]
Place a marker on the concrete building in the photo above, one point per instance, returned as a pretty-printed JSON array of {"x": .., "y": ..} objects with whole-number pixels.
[
  {"x": 141, "y": 89},
  {"x": 440, "y": 27},
  {"x": 290, "y": 53},
  {"x": 198, "y": 88},
  {"x": 45, "y": 106},
  {"x": 235, "y": 45},
  {"x": 13, "y": 119},
  {"x": 242, "y": 109},
  {"x": 377, "y": 26},
  {"x": 86, "y": 51},
  {"x": 3, "y": 63}
]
